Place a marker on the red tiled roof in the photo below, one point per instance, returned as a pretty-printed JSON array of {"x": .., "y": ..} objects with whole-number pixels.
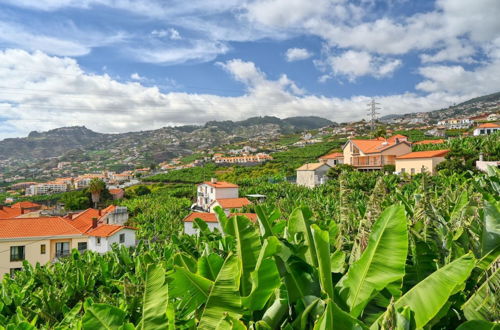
[
  {"x": 233, "y": 203},
  {"x": 25, "y": 205},
  {"x": 83, "y": 220},
  {"x": 424, "y": 154},
  {"x": 251, "y": 216},
  {"x": 212, "y": 217},
  {"x": 207, "y": 217},
  {"x": 36, "y": 227},
  {"x": 311, "y": 166},
  {"x": 397, "y": 136},
  {"x": 9, "y": 212},
  {"x": 438, "y": 141},
  {"x": 377, "y": 145},
  {"x": 489, "y": 125},
  {"x": 332, "y": 155},
  {"x": 221, "y": 184},
  {"x": 115, "y": 191},
  {"x": 107, "y": 230}
]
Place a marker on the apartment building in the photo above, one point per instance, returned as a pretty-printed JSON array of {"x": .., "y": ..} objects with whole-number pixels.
[
  {"x": 47, "y": 188},
  {"x": 47, "y": 239},
  {"x": 245, "y": 159}
]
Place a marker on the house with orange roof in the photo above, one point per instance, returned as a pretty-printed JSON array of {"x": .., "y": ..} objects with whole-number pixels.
[
  {"x": 312, "y": 175},
  {"x": 117, "y": 193},
  {"x": 46, "y": 239},
  {"x": 420, "y": 161},
  {"x": 211, "y": 220},
  {"x": 332, "y": 159},
  {"x": 7, "y": 212},
  {"x": 373, "y": 154},
  {"x": 486, "y": 129},
  {"x": 210, "y": 191}
]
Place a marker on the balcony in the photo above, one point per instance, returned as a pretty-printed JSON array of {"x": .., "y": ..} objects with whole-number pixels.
[
  {"x": 62, "y": 253},
  {"x": 373, "y": 161}
]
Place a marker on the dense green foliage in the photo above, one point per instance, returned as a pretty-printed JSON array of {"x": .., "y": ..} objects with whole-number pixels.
[{"x": 363, "y": 250}]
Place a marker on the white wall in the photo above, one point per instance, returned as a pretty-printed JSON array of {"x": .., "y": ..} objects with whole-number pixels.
[
  {"x": 190, "y": 230},
  {"x": 107, "y": 242}
]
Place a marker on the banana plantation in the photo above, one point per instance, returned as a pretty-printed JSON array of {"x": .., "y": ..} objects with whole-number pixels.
[{"x": 363, "y": 251}]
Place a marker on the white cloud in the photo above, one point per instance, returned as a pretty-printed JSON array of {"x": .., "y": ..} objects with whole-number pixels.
[
  {"x": 353, "y": 64},
  {"x": 297, "y": 54},
  {"x": 167, "y": 54},
  {"x": 56, "y": 92},
  {"x": 136, "y": 76},
  {"x": 171, "y": 33}
]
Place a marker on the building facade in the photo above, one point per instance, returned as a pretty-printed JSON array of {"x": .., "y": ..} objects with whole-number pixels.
[
  {"x": 312, "y": 175},
  {"x": 420, "y": 161}
]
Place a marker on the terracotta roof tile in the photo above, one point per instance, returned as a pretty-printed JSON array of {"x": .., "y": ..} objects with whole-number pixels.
[
  {"x": 9, "y": 212},
  {"x": 438, "y": 141},
  {"x": 107, "y": 230},
  {"x": 221, "y": 184},
  {"x": 489, "y": 125},
  {"x": 25, "y": 205},
  {"x": 332, "y": 155},
  {"x": 378, "y": 145},
  {"x": 424, "y": 154},
  {"x": 233, "y": 203},
  {"x": 311, "y": 166},
  {"x": 207, "y": 217},
  {"x": 252, "y": 216},
  {"x": 36, "y": 227}
]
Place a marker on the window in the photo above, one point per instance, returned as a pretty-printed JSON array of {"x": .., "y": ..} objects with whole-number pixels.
[
  {"x": 98, "y": 241},
  {"x": 43, "y": 249},
  {"x": 122, "y": 238},
  {"x": 16, "y": 253},
  {"x": 13, "y": 271},
  {"x": 412, "y": 171},
  {"x": 211, "y": 190},
  {"x": 62, "y": 249},
  {"x": 82, "y": 246},
  {"x": 403, "y": 170}
]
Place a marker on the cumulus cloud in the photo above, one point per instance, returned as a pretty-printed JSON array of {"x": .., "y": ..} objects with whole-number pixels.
[
  {"x": 48, "y": 91},
  {"x": 297, "y": 54},
  {"x": 353, "y": 64}
]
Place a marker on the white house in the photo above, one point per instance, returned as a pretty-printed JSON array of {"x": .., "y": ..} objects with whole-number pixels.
[
  {"x": 486, "y": 129},
  {"x": 102, "y": 238},
  {"x": 312, "y": 175},
  {"x": 209, "y": 191}
]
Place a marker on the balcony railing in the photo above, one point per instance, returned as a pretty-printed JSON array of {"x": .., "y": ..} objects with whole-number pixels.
[
  {"x": 62, "y": 253},
  {"x": 373, "y": 161}
]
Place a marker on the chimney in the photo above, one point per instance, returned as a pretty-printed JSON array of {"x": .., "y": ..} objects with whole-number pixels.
[
  {"x": 23, "y": 210},
  {"x": 99, "y": 212},
  {"x": 481, "y": 157},
  {"x": 70, "y": 216},
  {"x": 94, "y": 222},
  {"x": 213, "y": 180}
]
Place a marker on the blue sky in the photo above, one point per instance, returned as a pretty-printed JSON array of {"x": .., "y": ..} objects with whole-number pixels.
[{"x": 121, "y": 65}]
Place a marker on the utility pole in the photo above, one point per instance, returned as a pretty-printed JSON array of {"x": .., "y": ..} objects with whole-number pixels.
[{"x": 372, "y": 112}]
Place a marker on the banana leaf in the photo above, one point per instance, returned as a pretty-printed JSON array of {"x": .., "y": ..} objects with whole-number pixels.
[
  {"x": 224, "y": 297},
  {"x": 382, "y": 262},
  {"x": 155, "y": 300}
]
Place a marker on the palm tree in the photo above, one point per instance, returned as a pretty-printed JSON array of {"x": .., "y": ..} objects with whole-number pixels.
[{"x": 96, "y": 187}]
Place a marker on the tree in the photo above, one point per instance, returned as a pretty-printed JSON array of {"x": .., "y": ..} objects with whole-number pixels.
[
  {"x": 96, "y": 187},
  {"x": 380, "y": 132}
]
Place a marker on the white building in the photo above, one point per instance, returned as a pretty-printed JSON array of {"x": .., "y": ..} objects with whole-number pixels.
[
  {"x": 208, "y": 192},
  {"x": 46, "y": 188},
  {"x": 312, "y": 175},
  {"x": 486, "y": 129},
  {"x": 332, "y": 159}
]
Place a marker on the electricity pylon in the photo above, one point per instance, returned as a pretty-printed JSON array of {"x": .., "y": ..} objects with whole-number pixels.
[{"x": 372, "y": 112}]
